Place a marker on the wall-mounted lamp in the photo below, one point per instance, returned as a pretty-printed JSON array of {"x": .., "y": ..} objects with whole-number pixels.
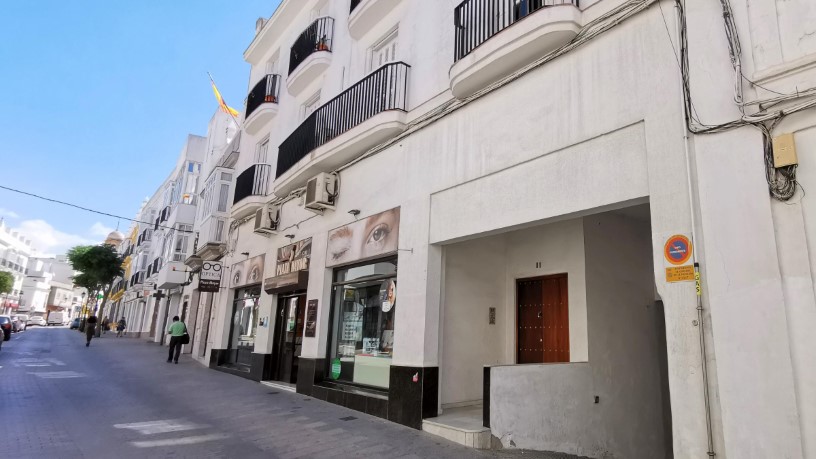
[
  {"x": 354, "y": 212},
  {"x": 289, "y": 236},
  {"x": 246, "y": 254}
]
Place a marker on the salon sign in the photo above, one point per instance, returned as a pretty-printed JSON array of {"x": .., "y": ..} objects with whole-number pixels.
[
  {"x": 294, "y": 257},
  {"x": 364, "y": 239}
]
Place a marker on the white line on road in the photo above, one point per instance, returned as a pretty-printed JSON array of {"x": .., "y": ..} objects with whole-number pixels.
[
  {"x": 178, "y": 441},
  {"x": 162, "y": 426},
  {"x": 58, "y": 374}
]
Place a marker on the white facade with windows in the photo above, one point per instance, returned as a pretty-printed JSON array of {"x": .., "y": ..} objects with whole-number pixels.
[
  {"x": 499, "y": 224},
  {"x": 15, "y": 251}
]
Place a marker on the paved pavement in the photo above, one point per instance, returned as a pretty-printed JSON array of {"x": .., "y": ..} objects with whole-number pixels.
[{"x": 118, "y": 398}]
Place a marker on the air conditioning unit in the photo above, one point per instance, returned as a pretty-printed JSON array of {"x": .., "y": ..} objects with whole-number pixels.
[
  {"x": 321, "y": 192},
  {"x": 267, "y": 219}
]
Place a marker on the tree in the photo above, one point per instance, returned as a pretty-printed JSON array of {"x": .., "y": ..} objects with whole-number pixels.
[
  {"x": 99, "y": 265},
  {"x": 6, "y": 282}
]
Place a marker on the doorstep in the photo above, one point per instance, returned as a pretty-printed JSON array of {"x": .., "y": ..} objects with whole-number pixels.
[
  {"x": 460, "y": 425},
  {"x": 280, "y": 385}
]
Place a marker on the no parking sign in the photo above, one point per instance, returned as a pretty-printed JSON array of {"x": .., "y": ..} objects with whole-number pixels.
[{"x": 677, "y": 252}]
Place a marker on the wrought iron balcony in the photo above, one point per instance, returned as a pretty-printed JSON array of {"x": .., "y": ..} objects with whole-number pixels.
[
  {"x": 252, "y": 182},
  {"x": 476, "y": 21},
  {"x": 382, "y": 90},
  {"x": 316, "y": 37},
  {"x": 265, "y": 92}
]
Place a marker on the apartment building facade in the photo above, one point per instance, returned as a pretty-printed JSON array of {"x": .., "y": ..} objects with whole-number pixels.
[
  {"x": 545, "y": 224},
  {"x": 15, "y": 250}
]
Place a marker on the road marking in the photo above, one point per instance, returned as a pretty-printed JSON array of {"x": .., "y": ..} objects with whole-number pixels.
[
  {"x": 178, "y": 441},
  {"x": 162, "y": 426},
  {"x": 58, "y": 374},
  {"x": 33, "y": 362}
]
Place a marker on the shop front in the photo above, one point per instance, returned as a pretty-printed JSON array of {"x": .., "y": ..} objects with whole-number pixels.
[
  {"x": 357, "y": 370},
  {"x": 239, "y": 357},
  {"x": 289, "y": 287}
]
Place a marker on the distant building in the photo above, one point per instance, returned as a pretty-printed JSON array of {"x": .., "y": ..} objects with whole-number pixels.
[{"x": 15, "y": 251}]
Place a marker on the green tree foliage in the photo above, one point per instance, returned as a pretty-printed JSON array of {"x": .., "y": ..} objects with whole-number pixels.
[
  {"x": 6, "y": 282},
  {"x": 99, "y": 265}
]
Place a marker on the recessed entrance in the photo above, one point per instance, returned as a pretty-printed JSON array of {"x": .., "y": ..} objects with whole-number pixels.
[{"x": 288, "y": 337}]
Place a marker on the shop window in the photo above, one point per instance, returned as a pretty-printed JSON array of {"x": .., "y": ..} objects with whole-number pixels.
[
  {"x": 363, "y": 313},
  {"x": 244, "y": 324}
]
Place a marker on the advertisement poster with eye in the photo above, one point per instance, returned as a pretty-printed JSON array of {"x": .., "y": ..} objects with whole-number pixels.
[
  {"x": 364, "y": 239},
  {"x": 388, "y": 295},
  {"x": 247, "y": 272}
]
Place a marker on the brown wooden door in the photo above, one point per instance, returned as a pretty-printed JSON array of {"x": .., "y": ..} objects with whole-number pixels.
[{"x": 543, "y": 319}]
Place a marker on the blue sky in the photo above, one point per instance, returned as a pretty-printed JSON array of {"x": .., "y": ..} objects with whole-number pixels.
[{"x": 98, "y": 98}]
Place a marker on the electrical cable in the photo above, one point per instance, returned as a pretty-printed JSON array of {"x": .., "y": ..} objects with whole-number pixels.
[{"x": 76, "y": 206}]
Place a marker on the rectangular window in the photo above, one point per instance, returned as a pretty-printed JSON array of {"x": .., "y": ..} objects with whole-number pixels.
[
  {"x": 383, "y": 52},
  {"x": 312, "y": 104},
  {"x": 223, "y": 197},
  {"x": 243, "y": 325},
  {"x": 261, "y": 151},
  {"x": 362, "y": 323}
]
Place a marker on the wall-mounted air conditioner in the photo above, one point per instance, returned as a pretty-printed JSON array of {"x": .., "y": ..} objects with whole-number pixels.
[
  {"x": 267, "y": 219},
  {"x": 321, "y": 193}
]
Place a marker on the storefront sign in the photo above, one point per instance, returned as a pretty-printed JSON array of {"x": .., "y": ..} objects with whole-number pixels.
[
  {"x": 209, "y": 279},
  {"x": 291, "y": 282},
  {"x": 247, "y": 272},
  {"x": 364, "y": 239},
  {"x": 294, "y": 257},
  {"x": 311, "y": 319}
]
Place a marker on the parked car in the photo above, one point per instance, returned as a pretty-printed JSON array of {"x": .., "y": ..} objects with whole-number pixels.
[
  {"x": 19, "y": 322},
  {"x": 56, "y": 318},
  {"x": 75, "y": 324},
  {"x": 5, "y": 325},
  {"x": 36, "y": 320}
]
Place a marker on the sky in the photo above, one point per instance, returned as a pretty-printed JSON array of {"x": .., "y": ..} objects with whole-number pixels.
[{"x": 98, "y": 97}]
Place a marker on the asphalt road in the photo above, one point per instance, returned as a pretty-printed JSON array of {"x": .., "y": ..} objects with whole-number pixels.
[{"x": 119, "y": 399}]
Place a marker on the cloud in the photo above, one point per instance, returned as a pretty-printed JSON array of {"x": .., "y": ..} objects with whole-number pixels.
[
  {"x": 100, "y": 230},
  {"x": 49, "y": 240},
  {"x": 8, "y": 213}
]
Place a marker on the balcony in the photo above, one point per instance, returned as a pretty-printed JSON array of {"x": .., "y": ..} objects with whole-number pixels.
[
  {"x": 137, "y": 280},
  {"x": 212, "y": 239},
  {"x": 310, "y": 55},
  {"x": 144, "y": 238},
  {"x": 363, "y": 116},
  {"x": 181, "y": 213},
  {"x": 365, "y": 14},
  {"x": 171, "y": 275},
  {"x": 494, "y": 38},
  {"x": 251, "y": 189},
  {"x": 262, "y": 103}
]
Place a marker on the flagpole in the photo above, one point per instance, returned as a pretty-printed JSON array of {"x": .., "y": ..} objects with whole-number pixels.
[{"x": 237, "y": 125}]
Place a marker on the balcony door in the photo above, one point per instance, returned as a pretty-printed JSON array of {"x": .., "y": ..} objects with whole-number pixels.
[{"x": 383, "y": 52}]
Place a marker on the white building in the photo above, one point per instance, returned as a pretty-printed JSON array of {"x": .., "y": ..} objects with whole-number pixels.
[
  {"x": 15, "y": 250},
  {"x": 485, "y": 218},
  {"x": 37, "y": 287}
]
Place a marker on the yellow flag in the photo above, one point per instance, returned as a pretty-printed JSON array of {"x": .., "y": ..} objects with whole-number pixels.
[{"x": 224, "y": 107}]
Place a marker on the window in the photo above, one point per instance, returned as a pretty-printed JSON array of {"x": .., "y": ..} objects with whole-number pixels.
[
  {"x": 362, "y": 323},
  {"x": 272, "y": 65},
  {"x": 310, "y": 105},
  {"x": 243, "y": 326},
  {"x": 383, "y": 52},
  {"x": 261, "y": 151}
]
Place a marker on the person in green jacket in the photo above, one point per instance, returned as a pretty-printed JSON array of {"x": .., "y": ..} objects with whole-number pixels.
[{"x": 176, "y": 330}]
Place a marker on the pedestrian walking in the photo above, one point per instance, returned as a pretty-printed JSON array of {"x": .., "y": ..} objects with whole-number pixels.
[
  {"x": 120, "y": 327},
  {"x": 178, "y": 336},
  {"x": 90, "y": 328}
]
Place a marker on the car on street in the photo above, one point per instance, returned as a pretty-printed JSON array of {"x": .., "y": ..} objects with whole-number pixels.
[
  {"x": 75, "y": 324},
  {"x": 56, "y": 318},
  {"x": 36, "y": 320},
  {"x": 5, "y": 325},
  {"x": 19, "y": 322}
]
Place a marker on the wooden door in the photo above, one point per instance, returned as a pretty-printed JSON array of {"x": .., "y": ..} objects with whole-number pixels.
[{"x": 542, "y": 319}]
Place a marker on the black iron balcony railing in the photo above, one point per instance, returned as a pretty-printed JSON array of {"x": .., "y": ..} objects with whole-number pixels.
[
  {"x": 316, "y": 37},
  {"x": 252, "y": 182},
  {"x": 157, "y": 264},
  {"x": 265, "y": 92},
  {"x": 354, "y": 4},
  {"x": 382, "y": 90},
  {"x": 137, "y": 278},
  {"x": 476, "y": 21}
]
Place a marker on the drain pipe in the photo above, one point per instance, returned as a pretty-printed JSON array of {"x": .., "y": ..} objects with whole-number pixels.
[{"x": 700, "y": 322}]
